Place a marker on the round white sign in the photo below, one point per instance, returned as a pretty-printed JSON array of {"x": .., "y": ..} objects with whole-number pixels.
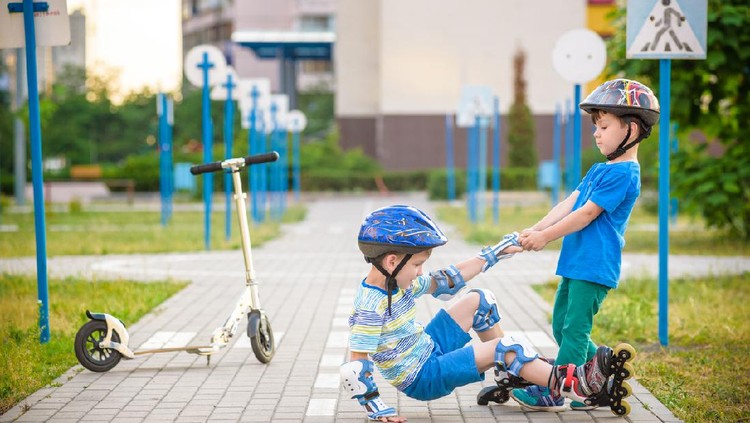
[
  {"x": 579, "y": 55},
  {"x": 194, "y": 64},
  {"x": 296, "y": 121},
  {"x": 220, "y": 90}
]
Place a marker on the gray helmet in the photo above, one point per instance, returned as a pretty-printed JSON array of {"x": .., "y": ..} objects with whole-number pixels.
[{"x": 624, "y": 97}]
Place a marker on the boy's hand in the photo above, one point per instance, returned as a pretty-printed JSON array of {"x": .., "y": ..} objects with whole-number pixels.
[
  {"x": 393, "y": 419},
  {"x": 533, "y": 240}
]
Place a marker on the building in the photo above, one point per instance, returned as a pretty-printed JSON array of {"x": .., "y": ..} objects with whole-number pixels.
[
  {"x": 214, "y": 21},
  {"x": 400, "y": 68}
]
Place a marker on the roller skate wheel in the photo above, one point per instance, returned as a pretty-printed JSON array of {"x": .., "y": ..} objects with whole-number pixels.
[
  {"x": 625, "y": 390},
  {"x": 494, "y": 394},
  {"x": 626, "y": 372},
  {"x": 621, "y": 410},
  {"x": 625, "y": 352}
]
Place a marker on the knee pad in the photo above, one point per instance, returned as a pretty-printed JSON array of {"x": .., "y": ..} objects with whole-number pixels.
[
  {"x": 443, "y": 278},
  {"x": 487, "y": 314},
  {"x": 524, "y": 353}
]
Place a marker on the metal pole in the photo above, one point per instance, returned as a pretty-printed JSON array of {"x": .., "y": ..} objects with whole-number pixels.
[
  {"x": 19, "y": 161},
  {"x": 482, "y": 171},
  {"x": 297, "y": 174},
  {"x": 161, "y": 110},
  {"x": 449, "y": 168},
  {"x": 665, "y": 70},
  {"x": 228, "y": 135},
  {"x": 673, "y": 202},
  {"x": 556, "y": 157},
  {"x": 496, "y": 163},
  {"x": 576, "y": 177},
  {"x": 35, "y": 131},
  {"x": 207, "y": 153}
]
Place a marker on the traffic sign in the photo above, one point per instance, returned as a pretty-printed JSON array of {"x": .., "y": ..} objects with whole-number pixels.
[
  {"x": 52, "y": 27},
  {"x": 666, "y": 29},
  {"x": 220, "y": 91},
  {"x": 476, "y": 100},
  {"x": 194, "y": 64},
  {"x": 579, "y": 56},
  {"x": 296, "y": 121}
]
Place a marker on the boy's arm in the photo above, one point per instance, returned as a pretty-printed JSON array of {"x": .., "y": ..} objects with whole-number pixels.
[
  {"x": 573, "y": 222},
  {"x": 445, "y": 283},
  {"x": 557, "y": 213},
  {"x": 357, "y": 380}
]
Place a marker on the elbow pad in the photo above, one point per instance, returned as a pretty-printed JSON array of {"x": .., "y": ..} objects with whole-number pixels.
[{"x": 443, "y": 278}]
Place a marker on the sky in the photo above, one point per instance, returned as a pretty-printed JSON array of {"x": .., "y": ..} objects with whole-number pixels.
[{"x": 140, "y": 38}]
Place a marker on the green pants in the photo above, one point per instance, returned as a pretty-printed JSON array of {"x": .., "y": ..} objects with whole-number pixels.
[{"x": 576, "y": 304}]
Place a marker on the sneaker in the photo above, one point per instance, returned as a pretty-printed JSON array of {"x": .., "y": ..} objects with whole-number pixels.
[
  {"x": 580, "y": 406},
  {"x": 538, "y": 398}
]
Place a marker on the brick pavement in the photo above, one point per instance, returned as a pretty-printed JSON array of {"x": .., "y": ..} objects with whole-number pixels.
[{"x": 307, "y": 278}]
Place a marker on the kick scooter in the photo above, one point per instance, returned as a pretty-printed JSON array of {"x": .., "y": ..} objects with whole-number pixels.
[{"x": 103, "y": 340}]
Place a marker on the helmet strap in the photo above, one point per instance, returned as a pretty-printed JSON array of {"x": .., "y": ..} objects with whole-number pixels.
[
  {"x": 390, "y": 278},
  {"x": 622, "y": 148}
]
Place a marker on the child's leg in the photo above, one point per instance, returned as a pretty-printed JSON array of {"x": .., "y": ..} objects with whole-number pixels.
[
  {"x": 560, "y": 309},
  {"x": 584, "y": 299},
  {"x": 476, "y": 310},
  {"x": 520, "y": 359}
]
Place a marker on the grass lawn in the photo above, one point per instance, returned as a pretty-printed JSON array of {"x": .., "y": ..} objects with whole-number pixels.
[
  {"x": 704, "y": 373},
  {"x": 25, "y": 364},
  {"x": 686, "y": 237},
  {"x": 130, "y": 232}
]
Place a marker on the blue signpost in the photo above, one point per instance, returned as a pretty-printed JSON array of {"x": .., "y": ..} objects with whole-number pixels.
[
  {"x": 556, "y": 156},
  {"x": 55, "y": 29},
  {"x": 496, "y": 161},
  {"x": 296, "y": 123},
  {"x": 225, "y": 90},
  {"x": 166, "y": 187},
  {"x": 665, "y": 31},
  {"x": 204, "y": 67},
  {"x": 450, "y": 173}
]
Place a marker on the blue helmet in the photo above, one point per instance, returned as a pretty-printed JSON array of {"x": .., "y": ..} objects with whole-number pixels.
[{"x": 398, "y": 229}]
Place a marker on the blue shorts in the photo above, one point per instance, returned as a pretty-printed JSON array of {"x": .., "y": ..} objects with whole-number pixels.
[{"x": 451, "y": 363}]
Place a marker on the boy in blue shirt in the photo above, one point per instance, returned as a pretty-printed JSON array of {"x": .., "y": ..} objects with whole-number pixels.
[
  {"x": 429, "y": 362},
  {"x": 592, "y": 221}
]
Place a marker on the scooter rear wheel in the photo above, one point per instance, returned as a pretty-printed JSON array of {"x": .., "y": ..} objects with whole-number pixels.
[
  {"x": 88, "y": 351},
  {"x": 261, "y": 336}
]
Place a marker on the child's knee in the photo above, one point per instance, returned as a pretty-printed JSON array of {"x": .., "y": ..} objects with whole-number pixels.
[{"x": 486, "y": 314}]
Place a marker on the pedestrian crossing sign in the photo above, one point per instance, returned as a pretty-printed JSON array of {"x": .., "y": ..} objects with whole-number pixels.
[{"x": 666, "y": 29}]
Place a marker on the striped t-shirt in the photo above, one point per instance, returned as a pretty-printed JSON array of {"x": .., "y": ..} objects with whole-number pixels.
[{"x": 396, "y": 343}]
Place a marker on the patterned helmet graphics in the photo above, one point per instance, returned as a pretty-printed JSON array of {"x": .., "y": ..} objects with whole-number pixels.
[
  {"x": 624, "y": 97},
  {"x": 398, "y": 229}
]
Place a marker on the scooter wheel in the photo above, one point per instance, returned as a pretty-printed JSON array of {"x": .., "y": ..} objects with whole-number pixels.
[
  {"x": 88, "y": 351},
  {"x": 261, "y": 336}
]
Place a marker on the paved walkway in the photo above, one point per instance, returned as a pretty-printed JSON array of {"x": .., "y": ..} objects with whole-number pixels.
[{"x": 308, "y": 278}]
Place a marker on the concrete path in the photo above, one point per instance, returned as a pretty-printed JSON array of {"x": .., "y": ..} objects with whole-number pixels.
[{"x": 308, "y": 278}]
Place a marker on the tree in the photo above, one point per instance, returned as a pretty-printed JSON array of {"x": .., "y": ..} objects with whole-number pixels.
[
  {"x": 713, "y": 97},
  {"x": 521, "y": 132}
]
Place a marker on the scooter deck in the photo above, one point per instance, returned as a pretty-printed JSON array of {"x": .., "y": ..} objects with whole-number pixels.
[{"x": 189, "y": 349}]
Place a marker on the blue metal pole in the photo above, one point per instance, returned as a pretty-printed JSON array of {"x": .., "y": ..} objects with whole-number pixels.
[
  {"x": 35, "y": 132},
  {"x": 253, "y": 174},
  {"x": 665, "y": 70},
  {"x": 228, "y": 139},
  {"x": 162, "y": 99},
  {"x": 470, "y": 186},
  {"x": 674, "y": 203},
  {"x": 262, "y": 170},
  {"x": 556, "y": 156},
  {"x": 207, "y": 151},
  {"x": 482, "y": 171},
  {"x": 576, "y": 138},
  {"x": 297, "y": 172},
  {"x": 496, "y": 163},
  {"x": 569, "y": 184},
  {"x": 449, "y": 170},
  {"x": 170, "y": 160}
]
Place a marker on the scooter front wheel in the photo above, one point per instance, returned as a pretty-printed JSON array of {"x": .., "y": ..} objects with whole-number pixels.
[
  {"x": 88, "y": 351},
  {"x": 261, "y": 336}
]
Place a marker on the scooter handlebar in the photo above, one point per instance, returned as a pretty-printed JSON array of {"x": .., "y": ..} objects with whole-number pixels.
[{"x": 249, "y": 160}]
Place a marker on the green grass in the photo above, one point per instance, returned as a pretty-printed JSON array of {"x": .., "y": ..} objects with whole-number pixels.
[
  {"x": 686, "y": 237},
  {"x": 704, "y": 373},
  {"x": 25, "y": 364},
  {"x": 130, "y": 232}
]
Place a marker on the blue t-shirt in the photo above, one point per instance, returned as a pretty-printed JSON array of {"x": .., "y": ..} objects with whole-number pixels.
[{"x": 594, "y": 253}]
